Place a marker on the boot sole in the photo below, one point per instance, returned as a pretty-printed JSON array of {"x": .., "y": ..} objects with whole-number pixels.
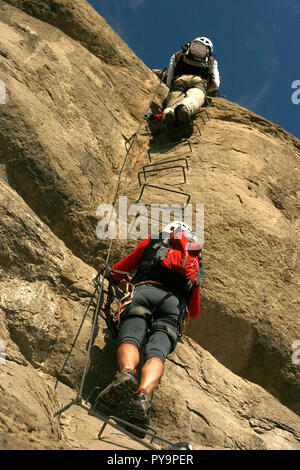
[
  {"x": 169, "y": 121},
  {"x": 139, "y": 418},
  {"x": 138, "y": 413},
  {"x": 183, "y": 118},
  {"x": 184, "y": 123},
  {"x": 119, "y": 393}
]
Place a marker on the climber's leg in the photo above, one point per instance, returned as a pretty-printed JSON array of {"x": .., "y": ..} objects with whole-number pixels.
[
  {"x": 174, "y": 98},
  {"x": 195, "y": 95}
]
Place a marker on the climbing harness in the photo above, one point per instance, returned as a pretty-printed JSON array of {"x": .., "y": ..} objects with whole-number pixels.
[
  {"x": 114, "y": 291},
  {"x": 123, "y": 303}
]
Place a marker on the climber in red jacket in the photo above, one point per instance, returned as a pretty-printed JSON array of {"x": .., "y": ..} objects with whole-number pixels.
[{"x": 160, "y": 302}]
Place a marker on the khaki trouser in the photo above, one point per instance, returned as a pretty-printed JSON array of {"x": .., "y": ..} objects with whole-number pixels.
[{"x": 188, "y": 90}]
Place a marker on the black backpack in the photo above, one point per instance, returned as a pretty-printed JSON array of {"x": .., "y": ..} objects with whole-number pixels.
[{"x": 196, "y": 54}]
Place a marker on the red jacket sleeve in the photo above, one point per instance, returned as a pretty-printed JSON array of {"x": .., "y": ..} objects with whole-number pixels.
[
  {"x": 194, "y": 305},
  {"x": 130, "y": 262}
]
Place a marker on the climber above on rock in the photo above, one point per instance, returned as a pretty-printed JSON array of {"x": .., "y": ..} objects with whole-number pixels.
[
  {"x": 166, "y": 289},
  {"x": 192, "y": 73}
]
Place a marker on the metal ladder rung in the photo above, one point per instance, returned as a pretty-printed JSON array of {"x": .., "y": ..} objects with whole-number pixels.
[
  {"x": 171, "y": 144},
  {"x": 148, "y": 431},
  {"x": 205, "y": 112},
  {"x": 145, "y": 172},
  {"x": 198, "y": 128},
  {"x": 160, "y": 162},
  {"x": 163, "y": 189},
  {"x": 93, "y": 410}
]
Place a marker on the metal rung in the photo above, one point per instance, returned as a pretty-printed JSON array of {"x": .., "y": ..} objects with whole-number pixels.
[
  {"x": 160, "y": 162},
  {"x": 163, "y": 189},
  {"x": 206, "y": 112},
  {"x": 117, "y": 424},
  {"x": 75, "y": 401},
  {"x": 144, "y": 172},
  {"x": 203, "y": 120},
  {"x": 195, "y": 124},
  {"x": 200, "y": 115},
  {"x": 97, "y": 414},
  {"x": 93, "y": 411},
  {"x": 148, "y": 431},
  {"x": 171, "y": 144}
]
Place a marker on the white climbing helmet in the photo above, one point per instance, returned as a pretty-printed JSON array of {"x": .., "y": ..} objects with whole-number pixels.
[
  {"x": 175, "y": 225},
  {"x": 206, "y": 41}
]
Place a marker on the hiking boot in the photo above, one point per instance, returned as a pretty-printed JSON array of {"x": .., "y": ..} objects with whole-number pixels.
[
  {"x": 138, "y": 412},
  {"x": 120, "y": 390},
  {"x": 169, "y": 120},
  {"x": 182, "y": 116},
  {"x": 183, "y": 120}
]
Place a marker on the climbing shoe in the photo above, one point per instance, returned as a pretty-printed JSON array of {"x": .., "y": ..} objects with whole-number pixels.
[
  {"x": 182, "y": 116},
  {"x": 120, "y": 390},
  {"x": 169, "y": 120},
  {"x": 138, "y": 412},
  {"x": 183, "y": 121}
]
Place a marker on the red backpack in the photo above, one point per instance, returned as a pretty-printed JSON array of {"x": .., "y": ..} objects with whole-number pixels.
[
  {"x": 183, "y": 255},
  {"x": 175, "y": 262}
]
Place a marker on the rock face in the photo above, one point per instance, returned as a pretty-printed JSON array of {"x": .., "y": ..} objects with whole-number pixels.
[
  {"x": 75, "y": 94},
  {"x": 44, "y": 291},
  {"x": 56, "y": 87},
  {"x": 249, "y": 183},
  {"x": 216, "y": 408}
]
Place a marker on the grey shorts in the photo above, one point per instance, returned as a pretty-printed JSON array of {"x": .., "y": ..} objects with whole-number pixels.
[{"x": 161, "y": 328}]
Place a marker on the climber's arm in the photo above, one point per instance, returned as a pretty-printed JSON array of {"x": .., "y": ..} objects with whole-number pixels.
[{"x": 130, "y": 262}]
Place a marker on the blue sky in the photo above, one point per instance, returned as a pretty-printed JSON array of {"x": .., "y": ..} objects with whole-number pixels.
[{"x": 257, "y": 45}]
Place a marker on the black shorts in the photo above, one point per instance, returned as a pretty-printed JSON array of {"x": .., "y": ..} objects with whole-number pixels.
[{"x": 170, "y": 313}]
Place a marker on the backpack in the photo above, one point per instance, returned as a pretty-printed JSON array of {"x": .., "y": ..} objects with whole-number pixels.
[
  {"x": 175, "y": 262},
  {"x": 196, "y": 54},
  {"x": 183, "y": 256}
]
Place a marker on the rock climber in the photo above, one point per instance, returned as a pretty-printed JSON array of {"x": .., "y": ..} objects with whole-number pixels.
[
  {"x": 160, "y": 302},
  {"x": 192, "y": 73}
]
